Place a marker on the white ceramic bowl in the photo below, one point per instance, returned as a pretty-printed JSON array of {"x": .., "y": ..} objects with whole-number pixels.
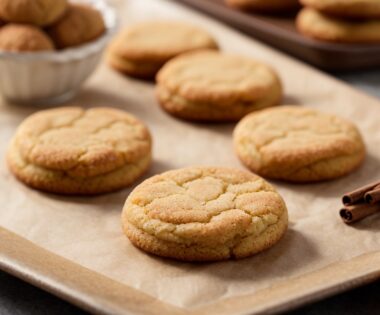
[{"x": 53, "y": 77}]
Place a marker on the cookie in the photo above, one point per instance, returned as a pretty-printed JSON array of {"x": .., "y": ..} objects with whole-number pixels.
[
  {"x": 317, "y": 25},
  {"x": 37, "y": 12},
  {"x": 80, "y": 24},
  {"x": 213, "y": 86},
  {"x": 298, "y": 144},
  {"x": 264, "y": 5},
  {"x": 71, "y": 150},
  {"x": 346, "y": 8},
  {"x": 24, "y": 38},
  {"x": 204, "y": 214},
  {"x": 141, "y": 50}
]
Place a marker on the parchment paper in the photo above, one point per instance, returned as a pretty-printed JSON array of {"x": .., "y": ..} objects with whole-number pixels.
[{"x": 87, "y": 230}]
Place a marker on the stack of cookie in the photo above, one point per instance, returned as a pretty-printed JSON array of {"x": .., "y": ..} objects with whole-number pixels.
[
  {"x": 47, "y": 25},
  {"x": 348, "y": 21}
]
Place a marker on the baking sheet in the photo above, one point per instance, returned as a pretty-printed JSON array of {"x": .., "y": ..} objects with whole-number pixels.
[
  {"x": 318, "y": 256},
  {"x": 280, "y": 32}
]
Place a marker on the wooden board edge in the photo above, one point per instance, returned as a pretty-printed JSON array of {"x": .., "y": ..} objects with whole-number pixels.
[
  {"x": 76, "y": 284},
  {"x": 99, "y": 294}
]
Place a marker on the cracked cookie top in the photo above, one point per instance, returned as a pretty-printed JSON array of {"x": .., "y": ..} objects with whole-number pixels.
[
  {"x": 290, "y": 142},
  {"x": 211, "y": 76},
  {"x": 204, "y": 206},
  {"x": 82, "y": 142}
]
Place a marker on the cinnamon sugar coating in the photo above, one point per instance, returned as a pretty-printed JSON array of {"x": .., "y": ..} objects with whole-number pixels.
[
  {"x": 213, "y": 86},
  {"x": 298, "y": 144},
  {"x": 75, "y": 151},
  {"x": 204, "y": 213}
]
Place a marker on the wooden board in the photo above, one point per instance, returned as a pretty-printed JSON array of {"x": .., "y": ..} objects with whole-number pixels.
[{"x": 280, "y": 32}]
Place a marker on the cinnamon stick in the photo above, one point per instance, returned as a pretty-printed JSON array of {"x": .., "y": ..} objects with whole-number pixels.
[
  {"x": 358, "y": 194},
  {"x": 354, "y": 213},
  {"x": 373, "y": 196}
]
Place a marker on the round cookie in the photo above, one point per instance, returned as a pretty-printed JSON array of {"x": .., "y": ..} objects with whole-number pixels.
[
  {"x": 37, "y": 12},
  {"x": 24, "y": 38},
  {"x": 212, "y": 86},
  {"x": 81, "y": 24},
  {"x": 264, "y": 5},
  {"x": 71, "y": 150},
  {"x": 298, "y": 144},
  {"x": 204, "y": 214},
  {"x": 346, "y": 8},
  {"x": 317, "y": 25},
  {"x": 142, "y": 49}
]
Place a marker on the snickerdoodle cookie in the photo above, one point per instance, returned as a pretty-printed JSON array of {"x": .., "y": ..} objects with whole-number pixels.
[
  {"x": 264, "y": 5},
  {"x": 71, "y": 150},
  {"x": 81, "y": 24},
  {"x": 142, "y": 49},
  {"x": 24, "y": 38},
  {"x": 37, "y": 12},
  {"x": 346, "y": 8},
  {"x": 315, "y": 24},
  {"x": 204, "y": 214},
  {"x": 213, "y": 86},
  {"x": 298, "y": 144}
]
